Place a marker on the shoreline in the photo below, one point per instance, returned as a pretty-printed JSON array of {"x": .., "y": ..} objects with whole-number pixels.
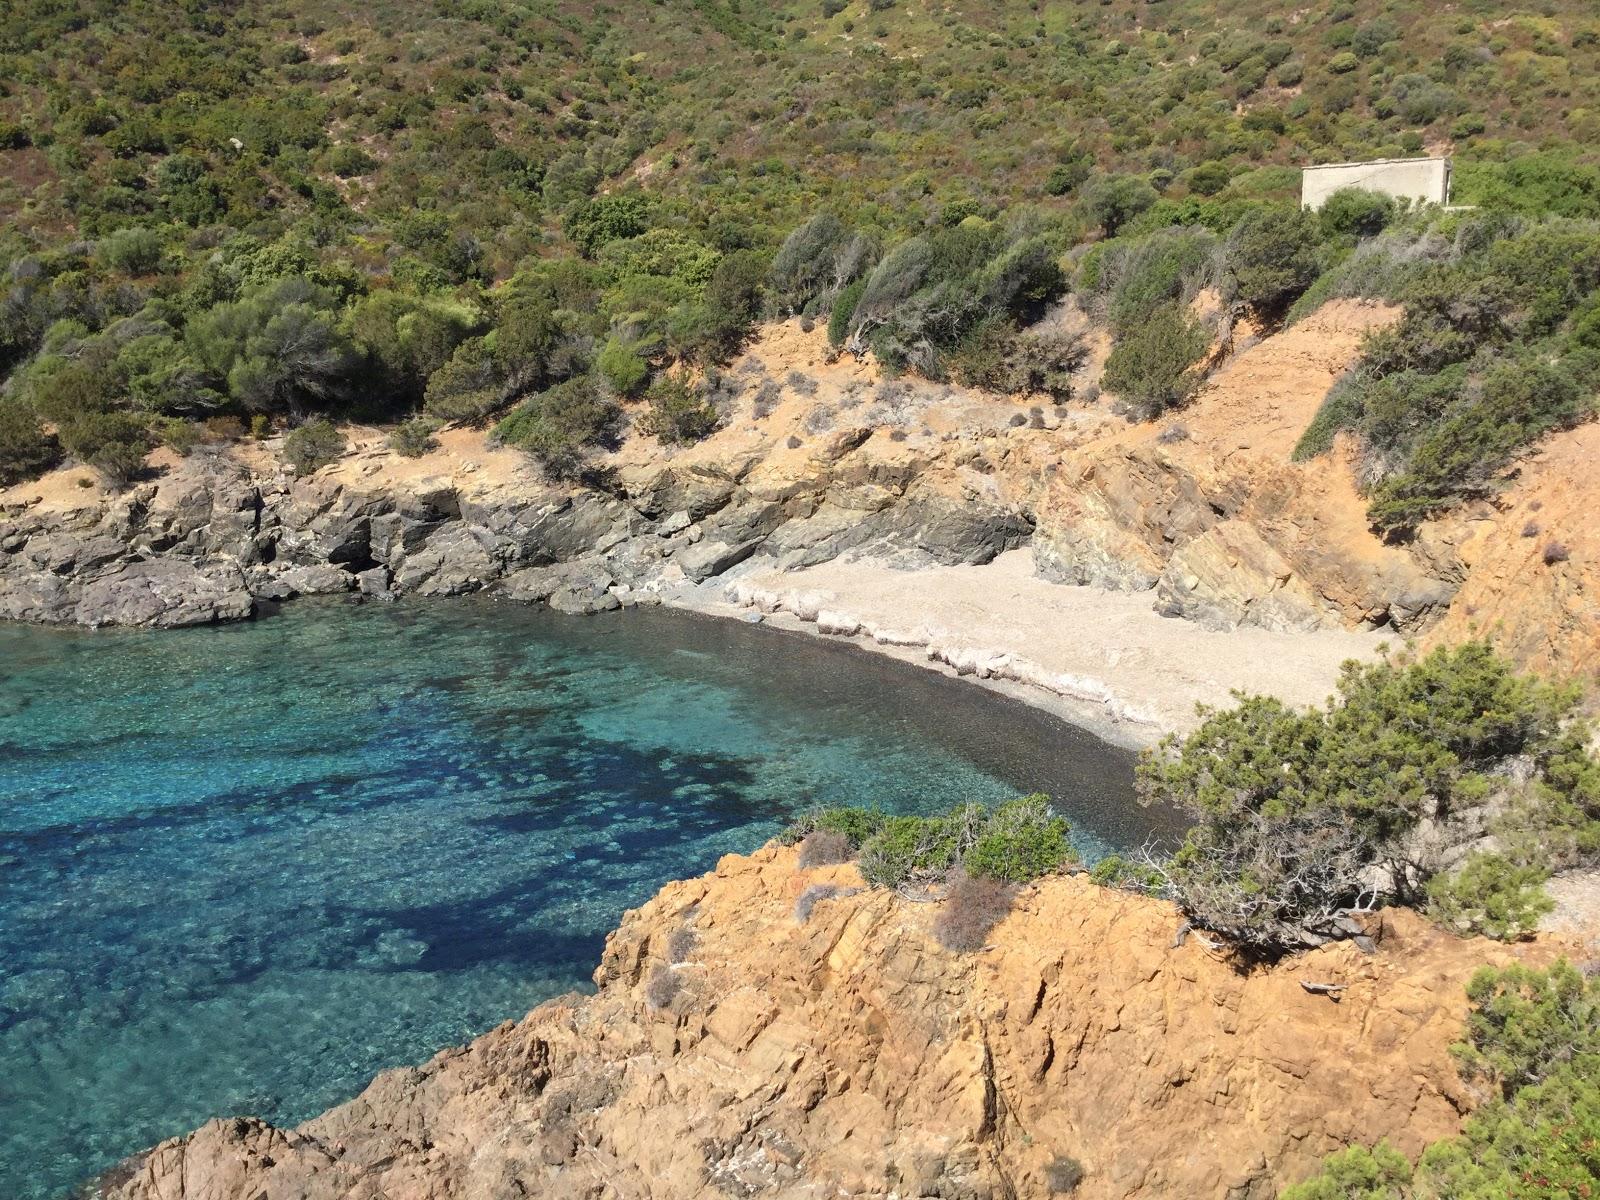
[
  {"x": 1100, "y": 659},
  {"x": 1083, "y": 714}
]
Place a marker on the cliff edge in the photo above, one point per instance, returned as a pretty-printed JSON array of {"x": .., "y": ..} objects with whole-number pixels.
[{"x": 734, "y": 1049}]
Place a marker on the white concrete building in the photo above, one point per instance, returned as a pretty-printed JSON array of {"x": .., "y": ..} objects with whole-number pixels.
[{"x": 1421, "y": 180}]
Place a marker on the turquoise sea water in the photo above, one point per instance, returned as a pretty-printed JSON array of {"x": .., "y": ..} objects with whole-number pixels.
[{"x": 242, "y": 869}]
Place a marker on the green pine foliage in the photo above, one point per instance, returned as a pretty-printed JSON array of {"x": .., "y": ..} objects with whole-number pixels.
[
  {"x": 1494, "y": 351},
  {"x": 1298, "y": 811},
  {"x": 1533, "y": 1042}
]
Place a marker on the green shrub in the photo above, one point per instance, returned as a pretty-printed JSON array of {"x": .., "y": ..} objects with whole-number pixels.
[
  {"x": 1118, "y": 872},
  {"x": 1491, "y": 895},
  {"x": 1357, "y": 1174},
  {"x": 857, "y": 825},
  {"x": 1489, "y": 356},
  {"x": 1156, "y": 367},
  {"x": 1022, "y": 840},
  {"x": 113, "y": 443},
  {"x": 1134, "y": 277},
  {"x": 349, "y": 161},
  {"x": 26, "y": 451},
  {"x": 1014, "y": 842},
  {"x": 1272, "y": 256},
  {"x": 414, "y": 438},
  {"x": 278, "y": 350},
  {"x": 312, "y": 446},
  {"x": 594, "y": 223},
  {"x": 1111, "y": 201},
  {"x": 135, "y": 251},
  {"x": 560, "y": 425},
  {"x": 1356, "y": 212},
  {"x": 1533, "y": 1037},
  {"x": 1296, "y": 811},
  {"x": 622, "y": 366},
  {"x": 678, "y": 413},
  {"x": 177, "y": 435}
]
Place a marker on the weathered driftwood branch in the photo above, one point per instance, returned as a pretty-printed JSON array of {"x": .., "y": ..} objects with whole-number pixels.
[{"x": 1333, "y": 991}]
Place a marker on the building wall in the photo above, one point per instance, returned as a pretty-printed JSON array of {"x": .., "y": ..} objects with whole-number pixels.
[{"x": 1422, "y": 179}]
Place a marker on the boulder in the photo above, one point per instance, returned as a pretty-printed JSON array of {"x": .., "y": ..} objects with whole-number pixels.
[
  {"x": 163, "y": 593},
  {"x": 707, "y": 558}
]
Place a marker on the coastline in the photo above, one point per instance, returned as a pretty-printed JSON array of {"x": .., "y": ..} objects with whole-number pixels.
[{"x": 1100, "y": 659}]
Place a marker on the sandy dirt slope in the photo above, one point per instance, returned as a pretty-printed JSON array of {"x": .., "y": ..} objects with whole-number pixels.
[{"x": 1531, "y": 561}]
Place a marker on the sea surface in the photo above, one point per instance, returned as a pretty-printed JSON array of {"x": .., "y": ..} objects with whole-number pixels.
[{"x": 242, "y": 869}]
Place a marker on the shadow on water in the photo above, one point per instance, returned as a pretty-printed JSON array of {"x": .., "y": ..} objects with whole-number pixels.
[{"x": 244, "y": 868}]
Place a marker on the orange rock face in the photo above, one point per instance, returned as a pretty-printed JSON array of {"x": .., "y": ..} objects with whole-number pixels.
[{"x": 850, "y": 1054}]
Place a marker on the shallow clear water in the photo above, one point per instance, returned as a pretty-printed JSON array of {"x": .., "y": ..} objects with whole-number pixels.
[{"x": 242, "y": 869}]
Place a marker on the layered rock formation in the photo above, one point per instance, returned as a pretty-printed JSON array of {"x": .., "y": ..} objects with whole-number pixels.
[
  {"x": 821, "y": 459},
  {"x": 735, "y": 1049}
]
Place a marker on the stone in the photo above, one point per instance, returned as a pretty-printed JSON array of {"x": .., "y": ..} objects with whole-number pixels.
[
  {"x": 375, "y": 583},
  {"x": 676, "y": 523},
  {"x": 707, "y": 558},
  {"x": 163, "y": 594},
  {"x": 321, "y": 580}
]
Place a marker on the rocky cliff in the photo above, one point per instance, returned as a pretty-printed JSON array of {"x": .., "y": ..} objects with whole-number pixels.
[
  {"x": 734, "y": 1048},
  {"x": 821, "y": 459}
]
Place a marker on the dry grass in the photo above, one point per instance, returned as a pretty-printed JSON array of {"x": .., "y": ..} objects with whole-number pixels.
[
  {"x": 824, "y": 848},
  {"x": 663, "y": 986},
  {"x": 1063, "y": 1174},
  {"x": 971, "y": 909},
  {"x": 813, "y": 895},
  {"x": 681, "y": 944}
]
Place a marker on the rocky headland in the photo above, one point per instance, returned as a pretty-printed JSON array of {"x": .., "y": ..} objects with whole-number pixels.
[{"x": 740, "y": 1045}]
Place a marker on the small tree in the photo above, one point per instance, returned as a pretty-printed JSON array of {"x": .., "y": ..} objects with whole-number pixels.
[
  {"x": 678, "y": 413},
  {"x": 1155, "y": 367},
  {"x": 622, "y": 366},
  {"x": 1111, "y": 201},
  {"x": 559, "y": 425},
  {"x": 1272, "y": 256},
  {"x": 1302, "y": 815},
  {"x": 26, "y": 450},
  {"x": 313, "y": 445}
]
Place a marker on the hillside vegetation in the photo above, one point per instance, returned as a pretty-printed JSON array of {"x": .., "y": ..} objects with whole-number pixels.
[{"x": 229, "y": 219}]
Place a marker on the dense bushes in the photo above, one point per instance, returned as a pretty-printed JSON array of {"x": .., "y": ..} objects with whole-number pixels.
[
  {"x": 953, "y": 298},
  {"x": 1533, "y": 1044},
  {"x": 1493, "y": 351},
  {"x": 1272, "y": 256},
  {"x": 314, "y": 444},
  {"x": 1303, "y": 815},
  {"x": 560, "y": 425},
  {"x": 1010, "y": 843},
  {"x": 1156, "y": 366},
  {"x": 25, "y": 449},
  {"x": 678, "y": 412},
  {"x": 464, "y": 206},
  {"x": 978, "y": 855}
]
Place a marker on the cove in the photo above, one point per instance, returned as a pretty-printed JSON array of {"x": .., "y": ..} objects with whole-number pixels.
[{"x": 244, "y": 868}]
